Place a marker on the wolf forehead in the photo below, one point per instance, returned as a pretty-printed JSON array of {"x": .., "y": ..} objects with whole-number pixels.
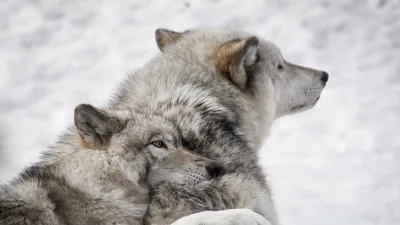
[{"x": 123, "y": 125}]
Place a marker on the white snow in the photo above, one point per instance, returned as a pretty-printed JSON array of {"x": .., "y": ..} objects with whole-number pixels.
[{"x": 338, "y": 163}]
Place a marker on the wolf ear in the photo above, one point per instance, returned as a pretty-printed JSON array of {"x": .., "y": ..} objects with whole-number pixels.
[
  {"x": 235, "y": 57},
  {"x": 95, "y": 127},
  {"x": 166, "y": 37}
]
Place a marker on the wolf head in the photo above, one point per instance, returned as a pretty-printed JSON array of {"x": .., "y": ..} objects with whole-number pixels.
[
  {"x": 255, "y": 66},
  {"x": 141, "y": 142}
]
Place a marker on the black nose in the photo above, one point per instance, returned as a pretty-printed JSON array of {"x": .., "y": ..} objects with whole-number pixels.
[
  {"x": 324, "y": 77},
  {"x": 213, "y": 169}
]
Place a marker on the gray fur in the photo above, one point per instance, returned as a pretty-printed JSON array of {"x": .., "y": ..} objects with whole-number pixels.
[
  {"x": 171, "y": 201},
  {"x": 223, "y": 89},
  {"x": 97, "y": 173}
]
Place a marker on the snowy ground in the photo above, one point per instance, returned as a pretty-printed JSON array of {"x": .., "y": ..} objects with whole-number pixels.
[{"x": 338, "y": 163}]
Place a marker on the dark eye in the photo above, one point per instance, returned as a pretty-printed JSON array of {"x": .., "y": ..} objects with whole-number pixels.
[
  {"x": 280, "y": 67},
  {"x": 159, "y": 144}
]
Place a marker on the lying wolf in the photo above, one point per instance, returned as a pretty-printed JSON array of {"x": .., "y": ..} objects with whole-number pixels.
[
  {"x": 98, "y": 173},
  {"x": 223, "y": 89}
]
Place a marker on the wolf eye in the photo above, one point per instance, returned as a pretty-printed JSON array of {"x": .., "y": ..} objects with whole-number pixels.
[
  {"x": 159, "y": 144},
  {"x": 280, "y": 67}
]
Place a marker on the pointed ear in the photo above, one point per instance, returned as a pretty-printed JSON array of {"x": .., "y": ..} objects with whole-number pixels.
[
  {"x": 95, "y": 127},
  {"x": 166, "y": 37},
  {"x": 235, "y": 57}
]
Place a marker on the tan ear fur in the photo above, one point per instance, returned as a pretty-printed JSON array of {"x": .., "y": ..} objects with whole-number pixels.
[
  {"x": 230, "y": 59},
  {"x": 226, "y": 55},
  {"x": 166, "y": 37},
  {"x": 89, "y": 143},
  {"x": 95, "y": 127}
]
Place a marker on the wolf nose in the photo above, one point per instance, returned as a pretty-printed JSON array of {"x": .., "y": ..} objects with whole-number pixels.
[
  {"x": 213, "y": 169},
  {"x": 324, "y": 77}
]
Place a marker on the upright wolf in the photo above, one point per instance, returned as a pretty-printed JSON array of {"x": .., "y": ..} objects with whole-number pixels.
[{"x": 223, "y": 89}]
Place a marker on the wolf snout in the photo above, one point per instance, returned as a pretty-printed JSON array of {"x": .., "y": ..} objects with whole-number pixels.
[
  {"x": 214, "y": 169},
  {"x": 324, "y": 77}
]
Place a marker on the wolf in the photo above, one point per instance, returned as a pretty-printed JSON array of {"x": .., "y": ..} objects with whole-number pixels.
[
  {"x": 97, "y": 173},
  {"x": 223, "y": 89}
]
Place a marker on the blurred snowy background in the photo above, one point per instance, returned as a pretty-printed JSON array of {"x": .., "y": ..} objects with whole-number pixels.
[{"x": 338, "y": 163}]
